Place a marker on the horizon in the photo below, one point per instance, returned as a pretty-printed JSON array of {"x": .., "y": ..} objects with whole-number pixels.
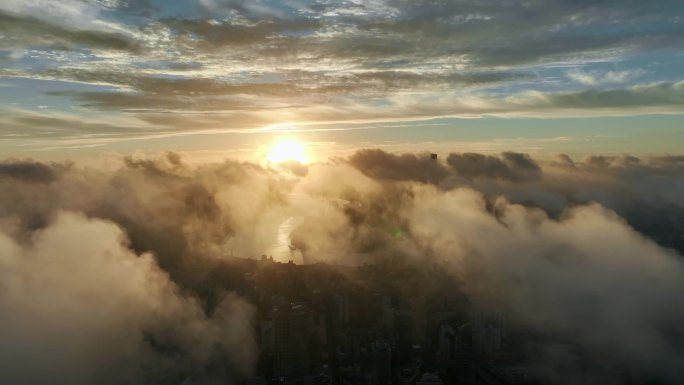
[
  {"x": 341, "y": 192},
  {"x": 218, "y": 78}
]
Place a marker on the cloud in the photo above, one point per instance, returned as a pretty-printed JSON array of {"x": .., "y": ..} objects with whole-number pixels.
[
  {"x": 608, "y": 77},
  {"x": 566, "y": 272},
  {"x": 173, "y": 108},
  {"x": 212, "y": 34},
  {"x": 660, "y": 95},
  {"x": 584, "y": 276},
  {"x": 584, "y": 253},
  {"x": 511, "y": 166},
  {"x": 28, "y": 171},
  {"x": 208, "y": 94},
  {"x": 341, "y": 61},
  {"x": 237, "y": 112},
  {"x": 130, "y": 257},
  {"x": 79, "y": 307},
  {"x": 27, "y": 31},
  {"x": 382, "y": 165}
]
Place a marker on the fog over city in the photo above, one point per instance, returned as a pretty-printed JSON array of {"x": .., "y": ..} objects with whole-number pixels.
[
  {"x": 341, "y": 192},
  {"x": 119, "y": 274}
]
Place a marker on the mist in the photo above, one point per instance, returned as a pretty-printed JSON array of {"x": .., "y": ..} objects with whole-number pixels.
[{"x": 120, "y": 274}]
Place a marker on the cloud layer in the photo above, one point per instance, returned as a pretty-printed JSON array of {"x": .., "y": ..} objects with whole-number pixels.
[
  {"x": 586, "y": 253},
  {"x": 245, "y": 64},
  {"x": 80, "y": 307}
]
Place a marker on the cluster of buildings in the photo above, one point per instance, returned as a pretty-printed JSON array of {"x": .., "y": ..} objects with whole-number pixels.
[{"x": 385, "y": 324}]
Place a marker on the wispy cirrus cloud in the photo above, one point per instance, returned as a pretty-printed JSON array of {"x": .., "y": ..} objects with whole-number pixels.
[{"x": 595, "y": 78}]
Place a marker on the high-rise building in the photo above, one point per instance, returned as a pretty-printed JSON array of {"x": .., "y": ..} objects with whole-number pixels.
[
  {"x": 293, "y": 324},
  {"x": 488, "y": 330},
  {"x": 446, "y": 344},
  {"x": 342, "y": 304},
  {"x": 464, "y": 364},
  {"x": 382, "y": 353},
  {"x": 387, "y": 315}
]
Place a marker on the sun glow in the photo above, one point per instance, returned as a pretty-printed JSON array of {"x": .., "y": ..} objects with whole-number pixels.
[{"x": 286, "y": 150}]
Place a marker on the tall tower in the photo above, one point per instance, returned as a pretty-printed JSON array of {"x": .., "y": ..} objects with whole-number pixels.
[{"x": 293, "y": 323}]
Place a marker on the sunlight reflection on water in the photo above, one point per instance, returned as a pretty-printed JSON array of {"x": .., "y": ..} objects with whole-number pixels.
[{"x": 281, "y": 249}]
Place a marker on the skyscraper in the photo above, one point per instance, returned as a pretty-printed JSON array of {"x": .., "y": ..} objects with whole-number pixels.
[{"x": 293, "y": 324}]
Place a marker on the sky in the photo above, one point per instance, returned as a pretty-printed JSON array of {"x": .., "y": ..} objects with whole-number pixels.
[
  {"x": 217, "y": 78},
  {"x": 144, "y": 143}
]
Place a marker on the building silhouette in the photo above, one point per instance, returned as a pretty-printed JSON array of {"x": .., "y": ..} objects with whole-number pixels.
[{"x": 292, "y": 324}]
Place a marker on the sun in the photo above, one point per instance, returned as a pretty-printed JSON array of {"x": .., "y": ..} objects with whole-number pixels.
[{"x": 286, "y": 150}]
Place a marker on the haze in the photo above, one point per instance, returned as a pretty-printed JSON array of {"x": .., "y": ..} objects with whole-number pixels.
[{"x": 341, "y": 192}]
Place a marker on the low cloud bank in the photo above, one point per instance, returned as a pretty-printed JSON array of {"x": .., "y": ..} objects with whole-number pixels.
[
  {"x": 79, "y": 307},
  {"x": 105, "y": 273}
]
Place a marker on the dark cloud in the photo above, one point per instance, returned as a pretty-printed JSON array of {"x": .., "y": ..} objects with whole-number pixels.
[
  {"x": 23, "y": 31},
  {"x": 564, "y": 160},
  {"x": 511, "y": 166},
  {"x": 382, "y": 165},
  {"x": 28, "y": 171},
  {"x": 660, "y": 94}
]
